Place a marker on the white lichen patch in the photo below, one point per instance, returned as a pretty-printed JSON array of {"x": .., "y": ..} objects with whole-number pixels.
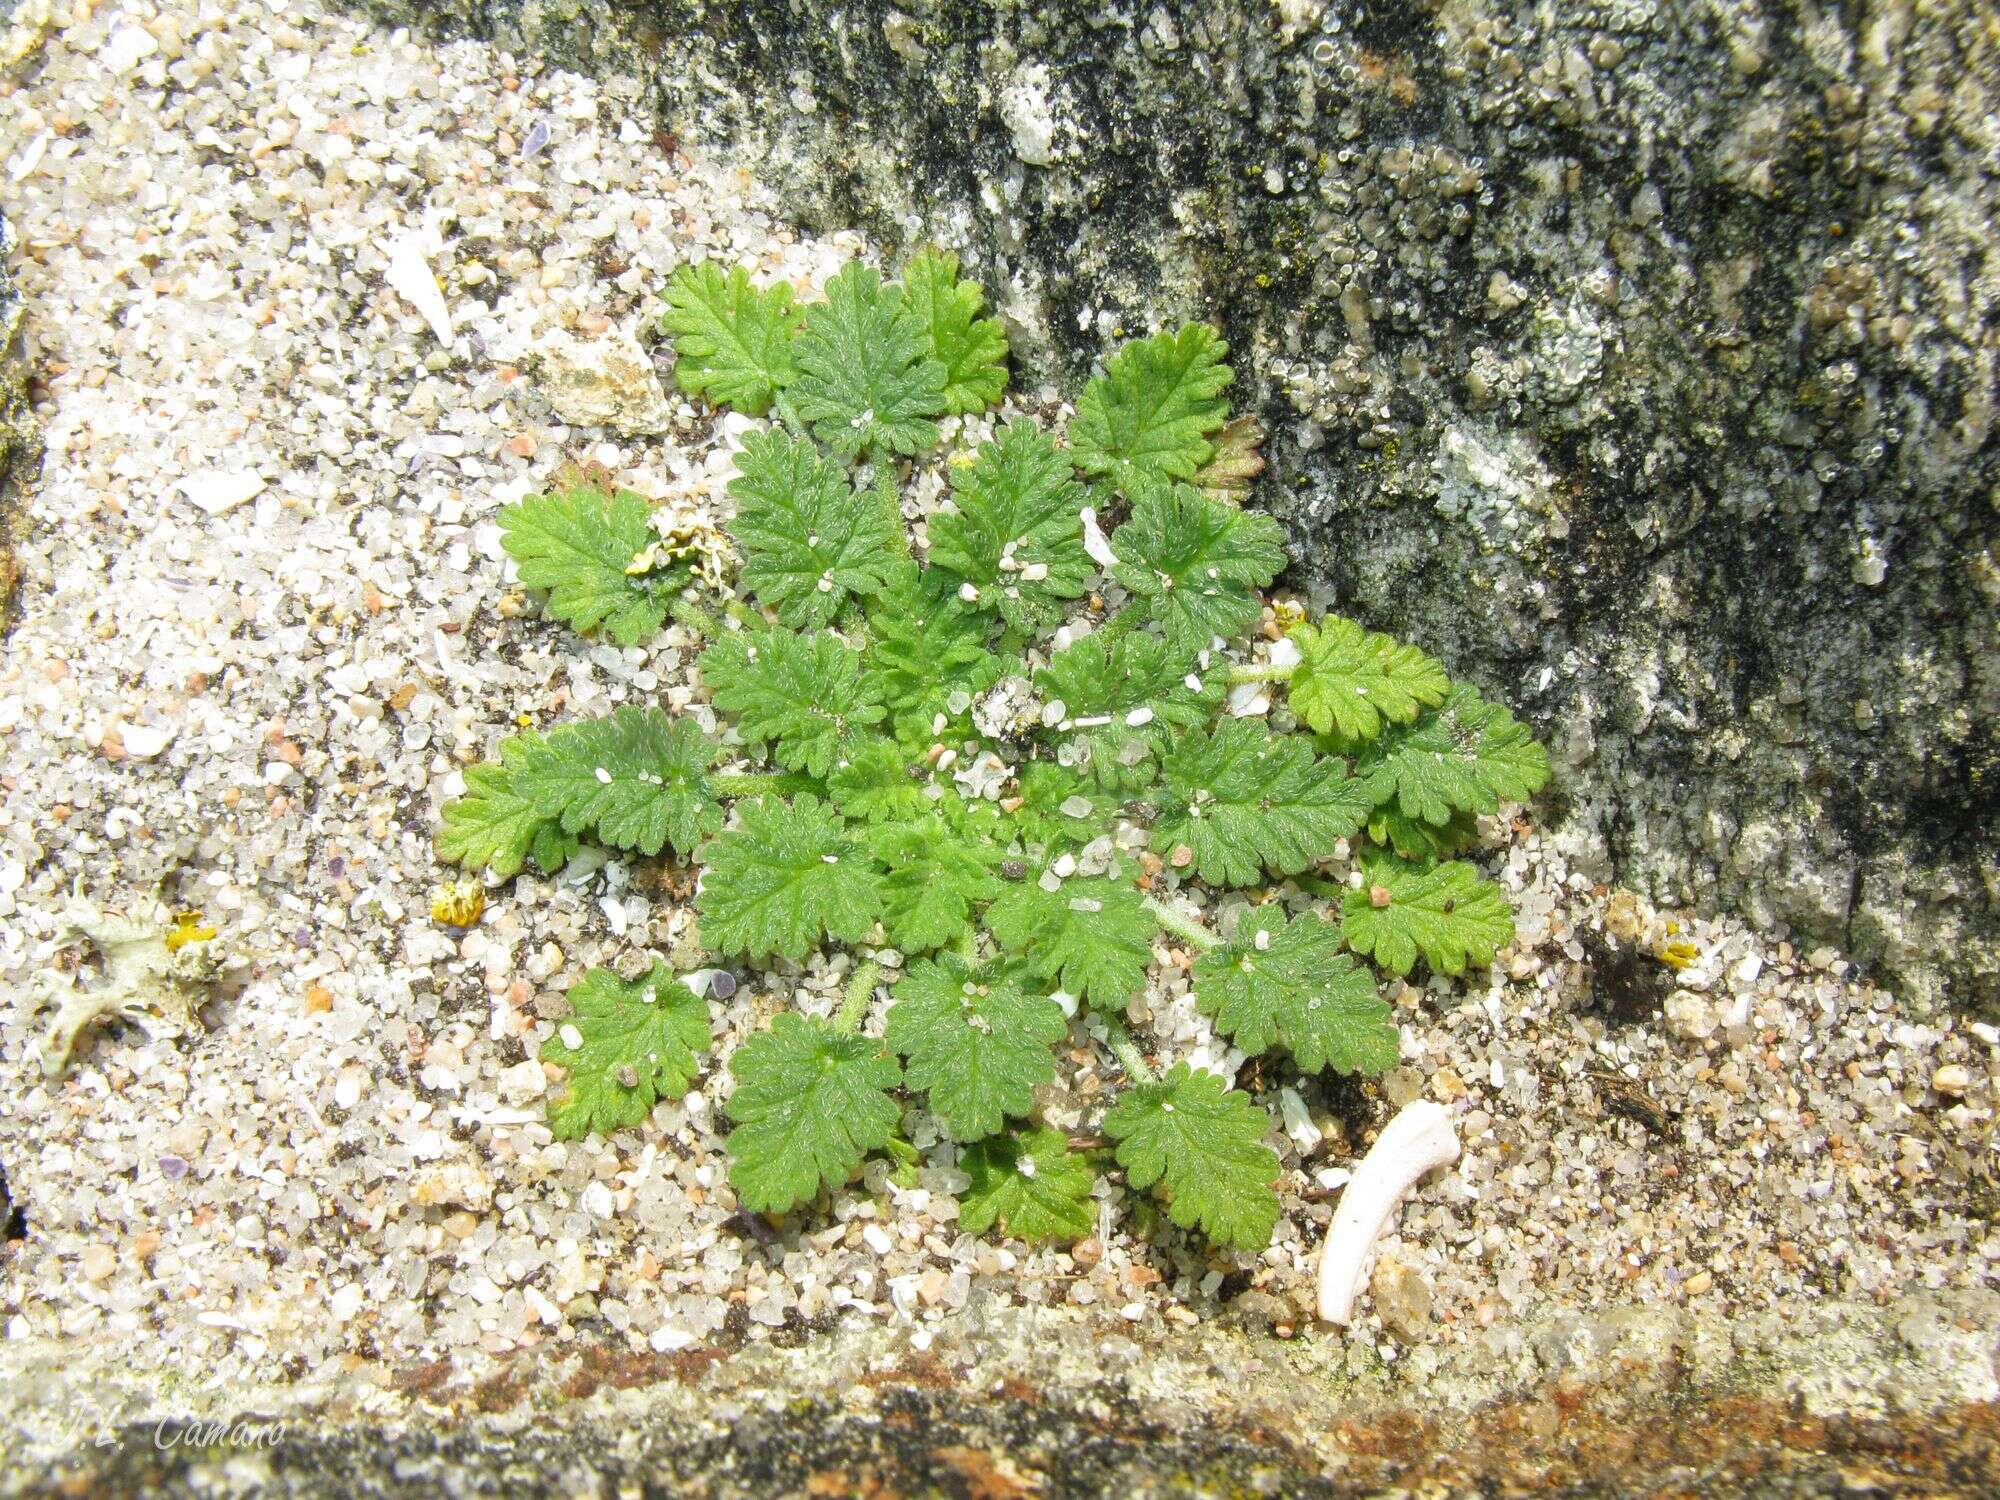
[
  {"x": 1497, "y": 484},
  {"x": 155, "y": 974}
]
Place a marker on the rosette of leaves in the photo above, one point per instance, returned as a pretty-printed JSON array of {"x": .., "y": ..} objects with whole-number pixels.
[{"x": 988, "y": 770}]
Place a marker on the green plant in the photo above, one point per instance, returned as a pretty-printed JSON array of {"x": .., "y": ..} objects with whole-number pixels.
[{"x": 987, "y": 782}]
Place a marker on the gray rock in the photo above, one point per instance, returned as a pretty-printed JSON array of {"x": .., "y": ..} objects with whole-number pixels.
[
  {"x": 602, "y": 382},
  {"x": 1631, "y": 356}
]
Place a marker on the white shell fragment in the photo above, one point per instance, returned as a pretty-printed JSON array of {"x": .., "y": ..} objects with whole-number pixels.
[
  {"x": 1417, "y": 1140},
  {"x": 1094, "y": 541},
  {"x": 219, "y": 491},
  {"x": 409, "y": 274}
]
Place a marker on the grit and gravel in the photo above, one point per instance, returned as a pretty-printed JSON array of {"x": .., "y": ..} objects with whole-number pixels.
[{"x": 266, "y": 623}]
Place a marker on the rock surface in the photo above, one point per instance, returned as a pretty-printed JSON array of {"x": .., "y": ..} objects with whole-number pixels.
[
  {"x": 1836, "y": 1399},
  {"x": 603, "y": 382},
  {"x": 1631, "y": 356}
]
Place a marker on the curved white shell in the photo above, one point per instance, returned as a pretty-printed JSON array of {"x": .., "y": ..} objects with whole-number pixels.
[{"x": 1417, "y": 1140}]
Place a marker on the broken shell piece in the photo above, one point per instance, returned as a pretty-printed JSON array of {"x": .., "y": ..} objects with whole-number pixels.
[
  {"x": 1094, "y": 542},
  {"x": 409, "y": 274},
  {"x": 1417, "y": 1140}
]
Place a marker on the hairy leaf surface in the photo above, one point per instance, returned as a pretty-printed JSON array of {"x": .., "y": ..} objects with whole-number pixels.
[
  {"x": 802, "y": 694},
  {"x": 577, "y": 545},
  {"x": 867, "y": 381},
  {"x": 809, "y": 1104},
  {"x": 1468, "y": 756},
  {"x": 1245, "y": 800},
  {"x": 1195, "y": 564},
  {"x": 974, "y": 1040},
  {"x": 972, "y": 349},
  {"x": 732, "y": 343},
  {"x": 636, "y": 780},
  {"x": 628, "y": 1044},
  {"x": 1030, "y": 1185},
  {"x": 1282, "y": 982},
  {"x": 1203, "y": 1144},
  {"x": 1350, "y": 681},
  {"x": 1017, "y": 535},
  {"x": 1090, "y": 935},
  {"x": 495, "y": 826},
  {"x": 1145, "y": 421},
  {"x": 809, "y": 540},
  {"x": 784, "y": 879},
  {"x": 1448, "y": 914},
  {"x": 1125, "y": 695}
]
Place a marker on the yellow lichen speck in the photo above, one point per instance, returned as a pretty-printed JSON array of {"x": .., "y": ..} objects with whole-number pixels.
[
  {"x": 1678, "y": 955},
  {"x": 700, "y": 544},
  {"x": 458, "y": 903},
  {"x": 188, "y": 928}
]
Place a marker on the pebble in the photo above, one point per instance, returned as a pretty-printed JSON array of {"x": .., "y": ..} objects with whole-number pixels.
[
  {"x": 1402, "y": 1299},
  {"x": 98, "y": 1262},
  {"x": 1953, "y": 1080}
]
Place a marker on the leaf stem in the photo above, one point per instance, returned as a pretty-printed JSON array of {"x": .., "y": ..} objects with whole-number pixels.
[
  {"x": 860, "y": 990},
  {"x": 754, "y": 783},
  {"x": 694, "y": 617},
  {"x": 1130, "y": 1058},
  {"x": 1319, "y": 885},
  {"x": 1269, "y": 672},
  {"x": 1182, "y": 926},
  {"x": 788, "y": 413}
]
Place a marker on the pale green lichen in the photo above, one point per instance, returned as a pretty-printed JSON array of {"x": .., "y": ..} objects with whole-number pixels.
[{"x": 154, "y": 974}]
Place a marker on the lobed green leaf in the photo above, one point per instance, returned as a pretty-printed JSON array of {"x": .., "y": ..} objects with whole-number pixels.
[
  {"x": 1282, "y": 982},
  {"x": 1016, "y": 536},
  {"x": 1244, "y": 800},
  {"x": 495, "y": 826},
  {"x": 578, "y": 545},
  {"x": 732, "y": 343},
  {"x": 1350, "y": 681},
  {"x": 1448, "y": 914},
  {"x": 802, "y": 694},
  {"x": 787, "y": 877},
  {"x": 1145, "y": 421},
  {"x": 1467, "y": 756},
  {"x": 810, "y": 541},
  {"x": 867, "y": 382},
  {"x": 974, "y": 1040},
  {"x": 1091, "y": 935},
  {"x": 1194, "y": 564},
  {"x": 1030, "y": 1185},
  {"x": 627, "y": 1044},
  {"x": 972, "y": 349},
  {"x": 809, "y": 1103},
  {"x": 1203, "y": 1144},
  {"x": 636, "y": 780}
]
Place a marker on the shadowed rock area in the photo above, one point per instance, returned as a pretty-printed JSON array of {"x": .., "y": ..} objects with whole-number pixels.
[
  {"x": 20, "y": 448},
  {"x": 1634, "y": 357}
]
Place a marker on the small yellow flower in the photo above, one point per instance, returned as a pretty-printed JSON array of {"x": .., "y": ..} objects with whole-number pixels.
[
  {"x": 188, "y": 928},
  {"x": 458, "y": 903}
]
